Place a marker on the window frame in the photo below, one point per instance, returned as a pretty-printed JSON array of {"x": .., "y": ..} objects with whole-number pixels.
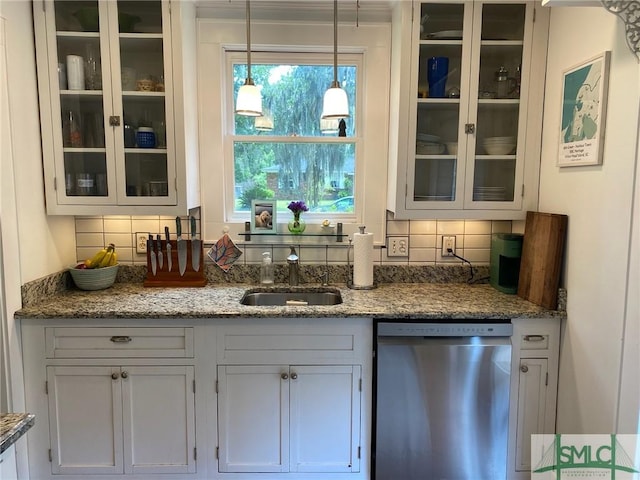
[{"x": 372, "y": 40}]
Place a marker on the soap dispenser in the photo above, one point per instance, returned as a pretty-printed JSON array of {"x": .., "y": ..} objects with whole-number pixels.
[{"x": 266, "y": 269}]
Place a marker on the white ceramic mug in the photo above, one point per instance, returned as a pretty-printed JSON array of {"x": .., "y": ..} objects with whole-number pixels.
[{"x": 75, "y": 72}]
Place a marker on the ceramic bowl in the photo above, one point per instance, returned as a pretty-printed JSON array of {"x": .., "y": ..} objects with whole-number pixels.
[{"x": 94, "y": 278}]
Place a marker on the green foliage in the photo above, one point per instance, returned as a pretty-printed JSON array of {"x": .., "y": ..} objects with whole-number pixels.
[{"x": 258, "y": 191}]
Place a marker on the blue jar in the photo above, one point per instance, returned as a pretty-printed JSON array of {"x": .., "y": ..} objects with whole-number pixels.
[{"x": 146, "y": 137}]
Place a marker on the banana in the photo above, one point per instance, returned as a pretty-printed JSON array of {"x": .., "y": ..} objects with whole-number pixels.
[
  {"x": 114, "y": 259},
  {"x": 97, "y": 260},
  {"x": 105, "y": 262}
]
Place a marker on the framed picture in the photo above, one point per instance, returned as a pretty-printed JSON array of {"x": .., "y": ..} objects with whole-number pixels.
[
  {"x": 263, "y": 216},
  {"x": 584, "y": 110}
]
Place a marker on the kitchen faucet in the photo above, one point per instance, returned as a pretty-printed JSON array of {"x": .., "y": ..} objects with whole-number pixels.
[{"x": 292, "y": 260}]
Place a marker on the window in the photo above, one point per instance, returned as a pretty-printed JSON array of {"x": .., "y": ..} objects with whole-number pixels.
[
  {"x": 221, "y": 45},
  {"x": 288, "y": 154}
]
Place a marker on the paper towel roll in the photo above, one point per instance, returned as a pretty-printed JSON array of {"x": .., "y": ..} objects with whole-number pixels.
[{"x": 363, "y": 259}]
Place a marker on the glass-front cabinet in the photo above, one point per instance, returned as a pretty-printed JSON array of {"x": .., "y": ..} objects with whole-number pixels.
[
  {"x": 106, "y": 76},
  {"x": 472, "y": 118}
]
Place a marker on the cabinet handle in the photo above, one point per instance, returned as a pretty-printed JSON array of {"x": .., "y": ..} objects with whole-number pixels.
[
  {"x": 524, "y": 368},
  {"x": 469, "y": 128},
  {"x": 533, "y": 338},
  {"x": 125, "y": 374},
  {"x": 114, "y": 120},
  {"x": 294, "y": 376},
  {"x": 114, "y": 375},
  {"x": 120, "y": 339},
  {"x": 284, "y": 376}
]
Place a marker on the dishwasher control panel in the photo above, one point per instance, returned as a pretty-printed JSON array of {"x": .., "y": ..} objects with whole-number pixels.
[{"x": 399, "y": 329}]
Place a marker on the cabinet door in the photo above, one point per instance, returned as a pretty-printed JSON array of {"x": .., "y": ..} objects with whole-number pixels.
[
  {"x": 159, "y": 425},
  {"x": 325, "y": 418},
  {"x": 253, "y": 418},
  {"x": 85, "y": 420},
  {"x": 501, "y": 45},
  {"x": 532, "y": 390}
]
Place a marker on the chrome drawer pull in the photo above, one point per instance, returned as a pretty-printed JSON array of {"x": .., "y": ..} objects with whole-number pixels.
[
  {"x": 114, "y": 376},
  {"x": 533, "y": 338},
  {"x": 524, "y": 369},
  {"x": 120, "y": 339}
]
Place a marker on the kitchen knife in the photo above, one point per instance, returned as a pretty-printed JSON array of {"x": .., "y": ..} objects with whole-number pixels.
[
  {"x": 169, "y": 259},
  {"x": 159, "y": 252},
  {"x": 152, "y": 255},
  {"x": 196, "y": 246},
  {"x": 182, "y": 248}
]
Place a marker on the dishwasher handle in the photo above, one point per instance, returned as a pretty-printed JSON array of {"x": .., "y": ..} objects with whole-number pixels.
[{"x": 444, "y": 329}]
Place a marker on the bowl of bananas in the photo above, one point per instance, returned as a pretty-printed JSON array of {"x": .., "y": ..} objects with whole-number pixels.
[{"x": 98, "y": 272}]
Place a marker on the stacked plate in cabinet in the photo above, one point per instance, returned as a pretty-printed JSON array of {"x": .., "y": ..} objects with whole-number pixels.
[
  {"x": 429, "y": 144},
  {"x": 489, "y": 194}
]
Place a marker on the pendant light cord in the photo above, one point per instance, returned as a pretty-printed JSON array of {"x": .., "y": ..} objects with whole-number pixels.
[
  {"x": 335, "y": 44},
  {"x": 248, "y": 41}
]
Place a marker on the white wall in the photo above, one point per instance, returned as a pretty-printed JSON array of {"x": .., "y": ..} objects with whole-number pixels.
[
  {"x": 598, "y": 201},
  {"x": 46, "y": 243}
]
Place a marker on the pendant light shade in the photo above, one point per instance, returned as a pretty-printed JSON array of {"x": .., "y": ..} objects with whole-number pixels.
[
  {"x": 264, "y": 122},
  {"x": 336, "y": 104},
  {"x": 329, "y": 125},
  {"x": 249, "y": 100}
]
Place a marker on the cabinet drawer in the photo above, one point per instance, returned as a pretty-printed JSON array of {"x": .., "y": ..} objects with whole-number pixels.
[
  {"x": 68, "y": 342},
  {"x": 534, "y": 342}
]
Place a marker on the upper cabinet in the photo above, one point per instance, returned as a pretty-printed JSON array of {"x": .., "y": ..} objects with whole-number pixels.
[
  {"x": 117, "y": 90},
  {"x": 466, "y": 123}
]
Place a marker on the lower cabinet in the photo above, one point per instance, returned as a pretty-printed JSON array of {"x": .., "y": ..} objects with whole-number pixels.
[
  {"x": 312, "y": 425},
  {"x": 121, "y": 419}
]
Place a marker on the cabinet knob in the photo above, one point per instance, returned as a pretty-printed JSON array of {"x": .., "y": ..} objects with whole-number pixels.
[
  {"x": 125, "y": 374},
  {"x": 114, "y": 120},
  {"x": 284, "y": 376},
  {"x": 469, "y": 128},
  {"x": 114, "y": 375},
  {"x": 524, "y": 368},
  {"x": 294, "y": 376}
]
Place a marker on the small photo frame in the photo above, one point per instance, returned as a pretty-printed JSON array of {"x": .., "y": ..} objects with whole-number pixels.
[
  {"x": 263, "y": 216},
  {"x": 583, "y": 113}
]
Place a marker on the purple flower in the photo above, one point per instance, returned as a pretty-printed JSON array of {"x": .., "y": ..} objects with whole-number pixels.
[{"x": 298, "y": 207}]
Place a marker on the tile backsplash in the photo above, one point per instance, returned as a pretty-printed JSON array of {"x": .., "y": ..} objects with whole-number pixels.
[{"x": 473, "y": 240}]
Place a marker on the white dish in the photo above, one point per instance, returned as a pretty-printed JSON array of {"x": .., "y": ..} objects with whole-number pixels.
[
  {"x": 452, "y": 148},
  {"x": 446, "y": 35},
  {"x": 429, "y": 148},
  {"x": 500, "y": 149},
  {"x": 425, "y": 137},
  {"x": 494, "y": 140}
]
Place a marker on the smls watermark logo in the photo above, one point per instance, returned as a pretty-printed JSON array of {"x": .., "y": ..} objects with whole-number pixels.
[{"x": 564, "y": 457}]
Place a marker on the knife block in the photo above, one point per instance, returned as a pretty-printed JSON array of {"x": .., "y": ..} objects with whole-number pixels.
[{"x": 166, "y": 278}]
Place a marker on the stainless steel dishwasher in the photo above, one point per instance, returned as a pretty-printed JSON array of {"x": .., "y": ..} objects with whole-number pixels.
[{"x": 442, "y": 401}]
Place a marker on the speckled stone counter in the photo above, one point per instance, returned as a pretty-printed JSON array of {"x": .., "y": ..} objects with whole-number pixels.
[
  {"x": 402, "y": 301},
  {"x": 12, "y": 427}
]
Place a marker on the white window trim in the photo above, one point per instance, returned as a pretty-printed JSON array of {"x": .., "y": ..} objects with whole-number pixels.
[{"x": 215, "y": 37}]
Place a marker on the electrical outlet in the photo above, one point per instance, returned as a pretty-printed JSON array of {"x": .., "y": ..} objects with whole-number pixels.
[
  {"x": 397, "y": 246},
  {"x": 448, "y": 242},
  {"x": 141, "y": 242}
]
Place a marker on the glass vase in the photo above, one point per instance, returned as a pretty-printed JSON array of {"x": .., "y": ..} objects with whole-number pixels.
[{"x": 297, "y": 225}]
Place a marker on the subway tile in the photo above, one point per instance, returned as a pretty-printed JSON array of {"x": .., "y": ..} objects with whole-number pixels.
[
  {"x": 338, "y": 254},
  {"x": 477, "y": 255},
  {"x": 398, "y": 227},
  {"x": 450, "y": 227},
  {"x": 150, "y": 225},
  {"x": 89, "y": 224},
  {"x": 120, "y": 240},
  {"x": 126, "y": 255},
  {"x": 517, "y": 226},
  {"x": 422, "y": 255},
  {"x": 422, "y": 227},
  {"x": 93, "y": 240},
  {"x": 477, "y": 241},
  {"x": 501, "y": 226},
  {"x": 477, "y": 227},
  {"x": 117, "y": 225},
  {"x": 423, "y": 241}
]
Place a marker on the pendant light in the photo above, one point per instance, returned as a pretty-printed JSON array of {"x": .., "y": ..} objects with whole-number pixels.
[
  {"x": 249, "y": 100},
  {"x": 329, "y": 125},
  {"x": 264, "y": 122},
  {"x": 336, "y": 104}
]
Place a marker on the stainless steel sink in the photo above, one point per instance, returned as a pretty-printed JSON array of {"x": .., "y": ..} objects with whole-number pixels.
[{"x": 291, "y": 297}]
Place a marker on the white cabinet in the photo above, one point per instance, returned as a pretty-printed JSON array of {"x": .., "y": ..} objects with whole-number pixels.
[
  {"x": 313, "y": 425},
  {"x": 294, "y": 397},
  {"x": 110, "y": 401},
  {"x": 117, "y": 106},
  {"x": 467, "y": 145},
  {"x": 534, "y": 382}
]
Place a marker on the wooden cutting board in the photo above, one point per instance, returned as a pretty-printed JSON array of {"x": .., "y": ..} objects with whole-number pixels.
[{"x": 542, "y": 250}]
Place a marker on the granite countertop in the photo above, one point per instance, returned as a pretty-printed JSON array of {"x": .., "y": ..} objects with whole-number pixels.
[
  {"x": 402, "y": 301},
  {"x": 13, "y": 426}
]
